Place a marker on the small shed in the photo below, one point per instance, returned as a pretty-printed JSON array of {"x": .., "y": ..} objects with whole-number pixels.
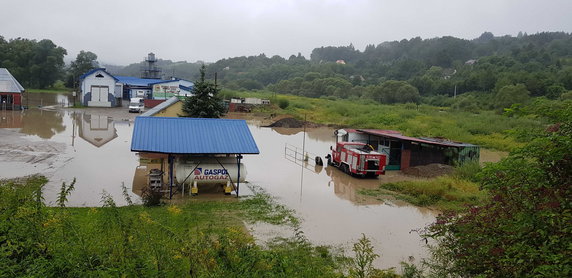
[
  {"x": 184, "y": 137},
  {"x": 100, "y": 89},
  {"x": 405, "y": 151},
  {"x": 10, "y": 91}
]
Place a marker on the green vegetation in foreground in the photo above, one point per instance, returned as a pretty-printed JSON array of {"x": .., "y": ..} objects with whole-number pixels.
[
  {"x": 487, "y": 129},
  {"x": 200, "y": 238},
  {"x": 523, "y": 229}
]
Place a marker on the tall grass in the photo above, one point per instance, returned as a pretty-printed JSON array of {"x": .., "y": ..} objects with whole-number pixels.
[
  {"x": 196, "y": 239},
  {"x": 444, "y": 192},
  {"x": 487, "y": 128}
]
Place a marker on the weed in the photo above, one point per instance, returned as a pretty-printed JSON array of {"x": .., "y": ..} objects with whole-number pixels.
[
  {"x": 126, "y": 194},
  {"x": 65, "y": 191},
  {"x": 364, "y": 257}
]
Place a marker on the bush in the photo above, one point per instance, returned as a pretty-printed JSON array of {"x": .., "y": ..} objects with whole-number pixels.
[
  {"x": 283, "y": 103},
  {"x": 151, "y": 197},
  {"x": 524, "y": 229}
]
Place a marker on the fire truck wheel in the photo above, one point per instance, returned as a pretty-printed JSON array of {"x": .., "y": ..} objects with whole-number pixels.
[{"x": 346, "y": 168}]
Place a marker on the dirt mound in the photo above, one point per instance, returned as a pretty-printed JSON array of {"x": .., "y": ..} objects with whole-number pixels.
[
  {"x": 291, "y": 123},
  {"x": 429, "y": 171}
]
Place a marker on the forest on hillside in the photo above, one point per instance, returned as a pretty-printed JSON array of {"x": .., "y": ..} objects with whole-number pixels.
[
  {"x": 491, "y": 71},
  {"x": 487, "y": 72}
]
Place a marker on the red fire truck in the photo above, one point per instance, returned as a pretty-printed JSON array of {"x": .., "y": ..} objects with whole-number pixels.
[{"x": 358, "y": 159}]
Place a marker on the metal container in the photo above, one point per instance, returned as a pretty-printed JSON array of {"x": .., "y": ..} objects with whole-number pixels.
[{"x": 208, "y": 170}]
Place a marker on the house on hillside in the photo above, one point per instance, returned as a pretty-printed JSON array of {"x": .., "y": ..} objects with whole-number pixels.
[{"x": 10, "y": 91}]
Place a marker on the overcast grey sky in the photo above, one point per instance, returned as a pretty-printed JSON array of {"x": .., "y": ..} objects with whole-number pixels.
[{"x": 124, "y": 31}]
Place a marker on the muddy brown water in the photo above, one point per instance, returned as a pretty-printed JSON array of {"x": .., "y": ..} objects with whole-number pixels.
[{"x": 93, "y": 145}]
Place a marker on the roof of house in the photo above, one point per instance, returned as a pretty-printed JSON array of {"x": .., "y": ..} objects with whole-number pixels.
[
  {"x": 83, "y": 76},
  {"x": 136, "y": 81},
  {"x": 9, "y": 84},
  {"x": 160, "y": 107},
  {"x": 192, "y": 136},
  {"x": 397, "y": 135}
]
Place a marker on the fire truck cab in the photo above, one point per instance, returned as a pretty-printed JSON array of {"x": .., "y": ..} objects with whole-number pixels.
[{"x": 358, "y": 159}]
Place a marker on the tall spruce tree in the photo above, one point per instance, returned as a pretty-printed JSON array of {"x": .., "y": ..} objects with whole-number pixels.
[{"x": 205, "y": 102}]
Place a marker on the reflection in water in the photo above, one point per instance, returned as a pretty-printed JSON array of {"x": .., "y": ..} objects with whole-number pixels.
[
  {"x": 45, "y": 142},
  {"x": 34, "y": 100},
  {"x": 319, "y": 134},
  {"x": 96, "y": 129},
  {"x": 11, "y": 119},
  {"x": 43, "y": 123}
]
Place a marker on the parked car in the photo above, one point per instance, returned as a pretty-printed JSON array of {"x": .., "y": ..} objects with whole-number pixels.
[{"x": 136, "y": 105}]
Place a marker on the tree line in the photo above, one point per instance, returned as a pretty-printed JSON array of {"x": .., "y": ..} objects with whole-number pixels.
[
  {"x": 487, "y": 72},
  {"x": 40, "y": 64}
]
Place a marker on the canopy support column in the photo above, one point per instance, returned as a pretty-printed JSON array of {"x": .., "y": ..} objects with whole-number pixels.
[
  {"x": 238, "y": 158},
  {"x": 170, "y": 160}
]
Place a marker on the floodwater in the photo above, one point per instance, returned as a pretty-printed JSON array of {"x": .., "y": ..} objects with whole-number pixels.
[
  {"x": 93, "y": 145},
  {"x": 327, "y": 199}
]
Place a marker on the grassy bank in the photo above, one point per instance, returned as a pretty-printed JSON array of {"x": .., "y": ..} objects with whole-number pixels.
[
  {"x": 442, "y": 193},
  {"x": 197, "y": 239},
  {"x": 51, "y": 91},
  {"x": 450, "y": 192},
  {"x": 487, "y": 128}
]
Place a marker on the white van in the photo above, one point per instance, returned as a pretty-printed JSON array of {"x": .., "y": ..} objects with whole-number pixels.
[{"x": 136, "y": 105}]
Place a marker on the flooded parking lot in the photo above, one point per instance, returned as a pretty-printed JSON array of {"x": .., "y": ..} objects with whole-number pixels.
[{"x": 93, "y": 145}]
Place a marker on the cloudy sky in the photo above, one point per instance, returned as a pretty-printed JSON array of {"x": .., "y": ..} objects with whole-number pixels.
[{"x": 124, "y": 31}]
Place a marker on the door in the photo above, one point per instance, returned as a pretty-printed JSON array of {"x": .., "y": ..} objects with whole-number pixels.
[
  {"x": 103, "y": 93},
  {"x": 99, "y": 93},
  {"x": 394, "y": 156}
]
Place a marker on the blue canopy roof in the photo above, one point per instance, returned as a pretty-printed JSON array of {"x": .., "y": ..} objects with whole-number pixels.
[{"x": 192, "y": 136}]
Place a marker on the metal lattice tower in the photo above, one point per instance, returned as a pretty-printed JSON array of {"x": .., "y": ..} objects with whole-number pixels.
[{"x": 151, "y": 70}]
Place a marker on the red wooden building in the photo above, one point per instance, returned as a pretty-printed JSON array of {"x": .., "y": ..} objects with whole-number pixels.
[{"x": 10, "y": 91}]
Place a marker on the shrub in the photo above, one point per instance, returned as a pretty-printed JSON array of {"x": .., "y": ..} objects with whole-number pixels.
[
  {"x": 283, "y": 103},
  {"x": 151, "y": 197},
  {"x": 524, "y": 229}
]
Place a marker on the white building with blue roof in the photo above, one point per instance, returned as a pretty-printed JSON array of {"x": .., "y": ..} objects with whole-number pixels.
[{"x": 99, "y": 88}]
